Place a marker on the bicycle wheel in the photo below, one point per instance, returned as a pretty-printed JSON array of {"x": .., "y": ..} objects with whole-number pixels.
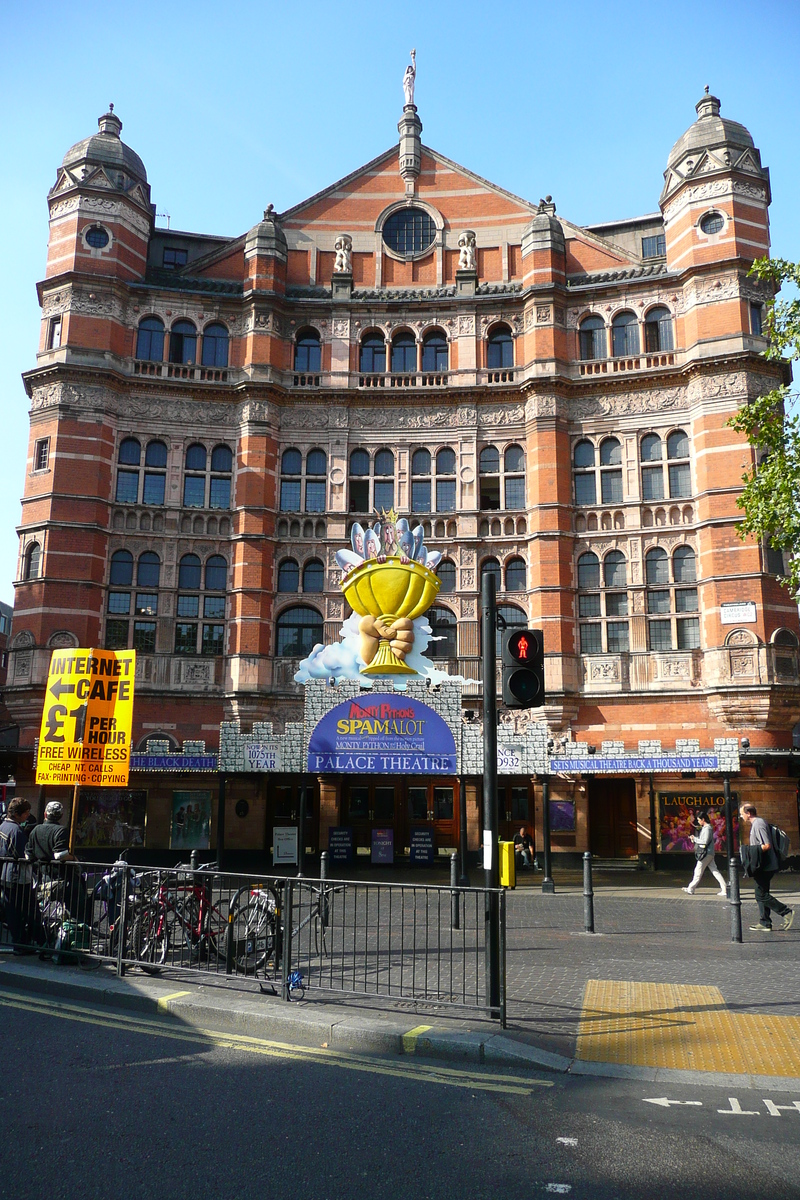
[
  {"x": 254, "y": 937},
  {"x": 150, "y": 939}
]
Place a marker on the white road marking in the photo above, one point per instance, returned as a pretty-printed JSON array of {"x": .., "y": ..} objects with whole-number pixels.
[
  {"x": 774, "y": 1109},
  {"x": 567, "y": 1141},
  {"x": 663, "y": 1102},
  {"x": 558, "y": 1187},
  {"x": 736, "y": 1109}
]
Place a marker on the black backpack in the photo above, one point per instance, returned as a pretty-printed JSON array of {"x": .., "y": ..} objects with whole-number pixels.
[{"x": 780, "y": 844}]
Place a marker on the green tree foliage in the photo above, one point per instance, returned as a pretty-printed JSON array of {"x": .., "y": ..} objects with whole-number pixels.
[{"x": 771, "y": 495}]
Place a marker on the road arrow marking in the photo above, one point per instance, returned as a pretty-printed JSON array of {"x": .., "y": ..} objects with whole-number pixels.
[{"x": 663, "y": 1102}]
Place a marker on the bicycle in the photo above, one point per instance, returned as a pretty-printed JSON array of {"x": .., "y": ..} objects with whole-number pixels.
[
  {"x": 177, "y": 909},
  {"x": 257, "y": 931}
]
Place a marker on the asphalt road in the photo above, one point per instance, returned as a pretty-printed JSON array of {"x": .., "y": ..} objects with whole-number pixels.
[{"x": 113, "y": 1105}]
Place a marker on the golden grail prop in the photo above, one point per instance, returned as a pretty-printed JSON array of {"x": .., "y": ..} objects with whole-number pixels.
[{"x": 389, "y": 591}]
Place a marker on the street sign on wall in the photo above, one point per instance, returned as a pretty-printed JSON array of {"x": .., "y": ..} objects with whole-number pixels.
[{"x": 85, "y": 736}]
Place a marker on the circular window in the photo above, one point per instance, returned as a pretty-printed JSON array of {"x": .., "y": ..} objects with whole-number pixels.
[
  {"x": 712, "y": 222},
  {"x": 409, "y": 232},
  {"x": 97, "y": 237}
]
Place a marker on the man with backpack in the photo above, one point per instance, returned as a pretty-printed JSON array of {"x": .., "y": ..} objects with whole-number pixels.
[
  {"x": 762, "y": 870},
  {"x": 49, "y": 843}
]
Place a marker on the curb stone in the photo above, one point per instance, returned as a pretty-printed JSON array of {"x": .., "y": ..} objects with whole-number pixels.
[{"x": 345, "y": 1031}]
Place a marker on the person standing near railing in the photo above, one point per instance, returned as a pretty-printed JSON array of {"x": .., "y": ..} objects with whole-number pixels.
[
  {"x": 49, "y": 843},
  {"x": 20, "y": 908}
]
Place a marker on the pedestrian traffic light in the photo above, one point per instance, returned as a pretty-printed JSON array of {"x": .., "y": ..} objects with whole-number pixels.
[{"x": 523, "y": 668}]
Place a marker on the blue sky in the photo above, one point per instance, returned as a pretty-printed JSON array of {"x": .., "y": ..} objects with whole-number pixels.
[{"x": 234, "y": 106}]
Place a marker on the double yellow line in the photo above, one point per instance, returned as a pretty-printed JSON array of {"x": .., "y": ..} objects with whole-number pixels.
[{"x": 210, "y": 1039}]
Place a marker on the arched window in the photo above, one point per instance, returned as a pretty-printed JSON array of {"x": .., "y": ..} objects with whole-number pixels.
[
  {"x": 129, "y": 455},
  {"x": 446, "y": 571},
  {"x": 121, "y": 570},
  {"x": 651, "y": 451},
  {"x": 615, "y": 573},
  {"x": 307, "y": 352},
  {"x": 625, "y": 334},
  {"x": 150, "y": 340},
  {"x": 313, "y": 576},
  {"x": 443, "y": 624},
  {"x": 219, "y": 495},
  {"x": 680, "y": 476},
  {"x": 183, "y": 343},
  {"x": 656, "y": 565},
  {"x": 215, "y": 345},
  {"x": 658, "y": 330},
  {"x": 189, "y": 573},
  {"x": 514, "y": 478},
  {"x": 291, "y": 484},
  {"x": 785, "y": 638},
  {"x": 155, "y": 475},
  {"x": 500, "y": 348},
  {"x": 610, "y": 475},
  {"x": 148, "y": 570},
  {"x": 434, "y": 351},
  {"x": 490, "y": 566},
  {"x": 216, "y": 573},
  {"x": 299, "y": 630},
  {"x": 372, "y": 355},
  {"x": 588, "y": 572},
  {"x": 404, "y": 353},
  {"x": 592, "y": 338},
  {"x": 446, "y": 480},
  {"x": 33, "y": 558},
  {"x": 684, "y": 565},
  {"x": 421, "y": 481},
  {"x": 222, "y": 459},
  {"x": 316, "y": 480},
  {"x": 359, "y": 482},
  {"x": 584, "y": 471},
  {"x": 516, "y": 575},
  {"x": 288, "y": 576},
  {"x": 194, "y": 478},
  {"x": 490, "y": 478},
  {"x": 383, "y": 484}
]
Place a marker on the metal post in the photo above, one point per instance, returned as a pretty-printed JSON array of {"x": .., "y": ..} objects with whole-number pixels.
[
  {"x": 726, "y": 790},
  {"x": 286, "y": 946},
  {"x": 653, "y": 830},
  {"x": 301, "y": 831},
  {"x": 455, "y": 898},
  {"x": 194, "y": 859},
  {"x": 122, "y": 924},
  {"x": 588, "y": 894},
  {"x": 491, "y": 867},
  {"x": 734, "y": 899},
  {"x": 548, "y": 885},
  {"x": 462, "y": 832},
  {"x": 221, "y": 821},
  {"x": 323, "y": 865}
]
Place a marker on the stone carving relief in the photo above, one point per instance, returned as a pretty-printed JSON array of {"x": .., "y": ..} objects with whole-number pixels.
[
  {"x": 23, "y": 640},
  {"x": 741, "y": 637},
  {"x": 343, "y": 246},
  {"x": 341, "y": 328},
  {"x": 606, "y": 669},
  {"x": 466, "y": 325},
  {"x": 542, "y": 314},
  {"x": 713, "y": 190},
  {"x": 742, "y": 664},
  {"x": 404, "y": 418},
  {"x": 544, "y": 406},
  {"x": 467, "y": 557},
  {"x": 678, "y": 668},
  {"x": 467, "y": 606},
  {"x": 335, "y": 609},
  {"x": 63, "y": 639},
  {"x": 468, "y": 415},
  {"x": 653, "y": 401},
  {"x": 304, "y": 416},
  {"x": 467, "y": 251},
  {"x": 501, "y": 414}
]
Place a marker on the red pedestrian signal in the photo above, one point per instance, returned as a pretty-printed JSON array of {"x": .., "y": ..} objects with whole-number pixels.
[{"x": 523, "y": 668}]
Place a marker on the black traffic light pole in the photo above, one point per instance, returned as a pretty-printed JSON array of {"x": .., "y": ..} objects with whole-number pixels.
[{"x": 491, "y": 871}]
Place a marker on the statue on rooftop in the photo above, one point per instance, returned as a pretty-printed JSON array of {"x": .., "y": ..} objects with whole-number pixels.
[
  {"x": 343, "y": 263},
  {"x": 409, "y": 78}
]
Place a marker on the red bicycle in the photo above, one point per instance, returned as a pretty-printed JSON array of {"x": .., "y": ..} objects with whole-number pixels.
[{"x": 179, "y": 925}]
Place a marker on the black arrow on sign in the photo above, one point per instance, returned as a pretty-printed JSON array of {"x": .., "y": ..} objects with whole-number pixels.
[{"x": 59, "y": 688}]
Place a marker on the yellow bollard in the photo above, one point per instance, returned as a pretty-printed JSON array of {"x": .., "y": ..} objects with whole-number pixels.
[{"x": 508, "y": 867}]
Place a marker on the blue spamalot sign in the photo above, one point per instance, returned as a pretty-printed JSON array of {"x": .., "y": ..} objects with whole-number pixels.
[
  {"x": 593, "y": 764},
  {"x": 382, "y": 734},
  {"x": 173, "y": 762}
]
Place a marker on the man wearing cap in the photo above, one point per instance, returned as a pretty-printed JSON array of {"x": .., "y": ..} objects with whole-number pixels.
[{"x": 49, "y": 843}]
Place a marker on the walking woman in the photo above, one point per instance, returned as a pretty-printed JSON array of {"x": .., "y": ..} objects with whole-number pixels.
[{"x": 704, "y": 853}]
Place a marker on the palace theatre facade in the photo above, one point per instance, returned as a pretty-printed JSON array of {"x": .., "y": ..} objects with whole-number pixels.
[{"x": 209, "y": 416}]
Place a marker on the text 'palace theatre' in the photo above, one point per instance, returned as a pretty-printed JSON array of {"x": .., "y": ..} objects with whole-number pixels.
[{"x": 278, "y": 465}]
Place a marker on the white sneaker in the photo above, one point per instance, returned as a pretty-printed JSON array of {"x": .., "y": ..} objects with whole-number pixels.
[{"x": 688, "y": 891}]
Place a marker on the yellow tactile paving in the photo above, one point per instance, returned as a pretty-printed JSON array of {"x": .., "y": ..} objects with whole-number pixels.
[{"x": 682, "y": 1026}]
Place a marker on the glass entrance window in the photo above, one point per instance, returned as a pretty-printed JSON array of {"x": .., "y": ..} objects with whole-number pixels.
[
  {"x": 359, "y": 803},
  {"x": 384, "y": 804},
  {"x": 443, "y": 804},
  {"x": 417, "y": 804}
]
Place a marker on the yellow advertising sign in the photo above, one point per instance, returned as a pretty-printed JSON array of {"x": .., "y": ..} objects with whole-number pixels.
[{"x": 87, "y": 718}]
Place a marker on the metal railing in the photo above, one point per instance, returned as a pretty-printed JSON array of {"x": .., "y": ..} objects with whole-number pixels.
[{"x": 390, "y": 942}]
